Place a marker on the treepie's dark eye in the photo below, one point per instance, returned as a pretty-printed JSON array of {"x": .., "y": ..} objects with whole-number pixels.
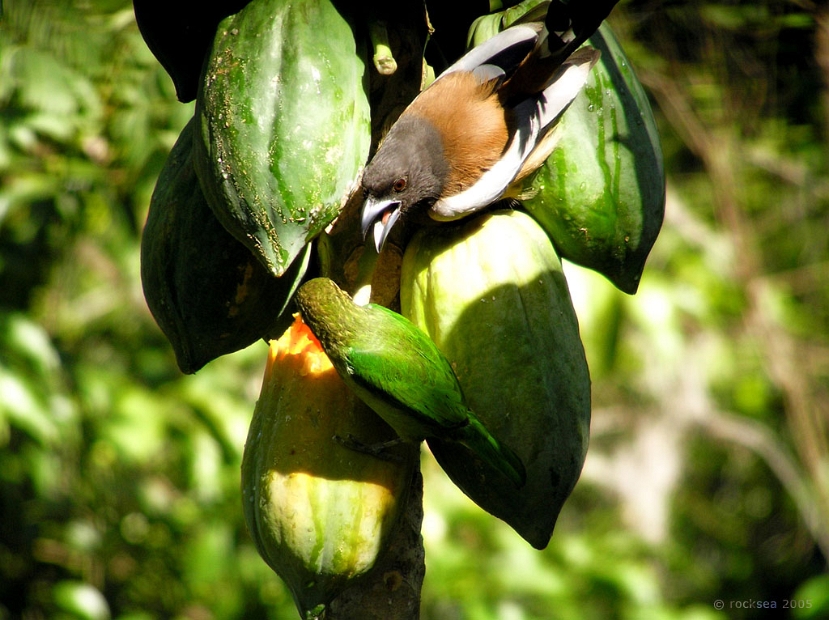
[{"x": 399, "y": 185}]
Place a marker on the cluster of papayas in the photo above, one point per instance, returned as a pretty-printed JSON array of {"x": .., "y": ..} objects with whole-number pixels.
[
  {"x": 281, "y": 129},
  {"x": 280, "y": 132},
  {"x": 283, "y": 124},
  {"x": 206, "y": 291}
]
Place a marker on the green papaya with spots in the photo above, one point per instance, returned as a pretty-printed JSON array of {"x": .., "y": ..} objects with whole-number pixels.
[
  {"x": 283, "y": 124},
  {"x": 207, "y": 292},
  {"x": 601, "y": 194}
]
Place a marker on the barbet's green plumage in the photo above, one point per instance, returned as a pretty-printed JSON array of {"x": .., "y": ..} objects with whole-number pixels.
[{"x": 399, "y": 372}]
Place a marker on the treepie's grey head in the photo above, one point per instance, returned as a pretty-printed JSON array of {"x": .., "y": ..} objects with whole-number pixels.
[{"x": 407, "y": 173}]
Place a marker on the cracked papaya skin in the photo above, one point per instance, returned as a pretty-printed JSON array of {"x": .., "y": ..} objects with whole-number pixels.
[
  {"x": 321, "y": 514},
  {"x": 283, "y": 124},
  {"x": 491, "y": 294},
  {"x": 206, "y": 291},
  {"x": 601, "y": 194}
]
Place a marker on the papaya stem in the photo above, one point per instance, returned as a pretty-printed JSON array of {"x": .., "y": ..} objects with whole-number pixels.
[
  {"x": 365, "y": 273},
  {"x": 383, "y": 57},
  {"x": 378, "y": 450}
]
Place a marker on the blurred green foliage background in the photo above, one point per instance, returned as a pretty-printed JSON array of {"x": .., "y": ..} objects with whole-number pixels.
[{"x": 708, "y": 472}]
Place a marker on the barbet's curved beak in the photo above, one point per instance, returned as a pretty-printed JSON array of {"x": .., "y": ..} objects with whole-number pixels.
[{"x": 381, "y": 215}]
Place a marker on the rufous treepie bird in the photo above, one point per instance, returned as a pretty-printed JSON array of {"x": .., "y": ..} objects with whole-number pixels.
[{"x": 481, "y": 126}]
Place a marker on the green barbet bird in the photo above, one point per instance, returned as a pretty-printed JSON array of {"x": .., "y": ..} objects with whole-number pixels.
[{"x": 398, "y": 371}]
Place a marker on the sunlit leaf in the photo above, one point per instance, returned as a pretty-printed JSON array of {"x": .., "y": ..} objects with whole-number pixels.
[{"x": 82, "y": 600}]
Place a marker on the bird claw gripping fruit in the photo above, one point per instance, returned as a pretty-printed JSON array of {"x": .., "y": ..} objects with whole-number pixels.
[
  {"x": 283, "y": 124},
  {"x": 320, "y": 514},
  {"x": 491, "y": 294}
]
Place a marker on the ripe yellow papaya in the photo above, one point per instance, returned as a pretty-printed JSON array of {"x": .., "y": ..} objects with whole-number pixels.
[{"x": 320, "y": 513}]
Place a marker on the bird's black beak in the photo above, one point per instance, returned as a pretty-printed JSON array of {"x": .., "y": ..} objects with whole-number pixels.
[{"x": 381, "y": 215}]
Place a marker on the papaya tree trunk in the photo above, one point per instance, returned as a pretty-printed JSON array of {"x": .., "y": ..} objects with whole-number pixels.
[{"x": 392, "y": 590}]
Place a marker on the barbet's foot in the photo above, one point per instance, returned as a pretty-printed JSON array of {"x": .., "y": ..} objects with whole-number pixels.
[{"x": 380, "y": 450}]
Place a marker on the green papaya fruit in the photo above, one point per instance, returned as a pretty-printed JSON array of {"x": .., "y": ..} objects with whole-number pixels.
[
  {"x": 601, "y": 194},
  {"x": 179, "y": 35},
  {"x": 283, "y": 124},
  {"x": 207, "y": 292},
  {"x": 487, "y": 26},
  {"x": 320, "y": 514},
  {"x": 491, "y": 294}
]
